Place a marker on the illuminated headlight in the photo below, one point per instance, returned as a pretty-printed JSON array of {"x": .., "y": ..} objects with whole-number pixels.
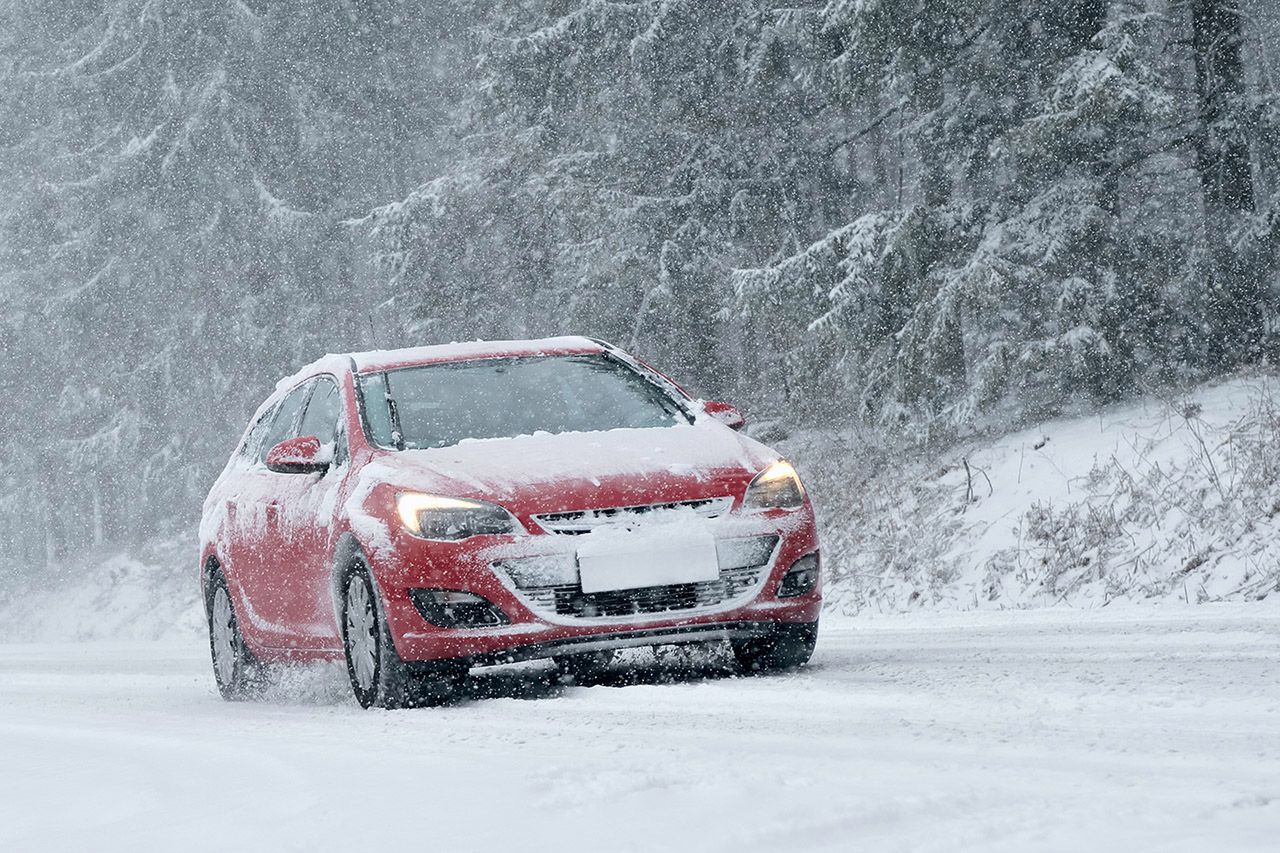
[
  {"x": 438, "y": 517},
  {"x": 776, "y": 487}
]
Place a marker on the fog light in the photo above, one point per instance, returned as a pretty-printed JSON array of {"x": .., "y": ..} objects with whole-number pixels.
[
  {"x": 800, "y": 578},
  {"x": 448, "y": 608}
]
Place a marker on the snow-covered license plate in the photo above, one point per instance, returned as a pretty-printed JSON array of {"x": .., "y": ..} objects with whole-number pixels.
[{"x": 659, "y": 556}]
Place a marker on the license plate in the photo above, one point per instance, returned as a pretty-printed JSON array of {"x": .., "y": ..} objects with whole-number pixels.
[{"x": 655, "y": 556}]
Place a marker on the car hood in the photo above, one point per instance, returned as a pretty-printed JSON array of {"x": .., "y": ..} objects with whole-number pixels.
[{"x": 622, "y": 467}]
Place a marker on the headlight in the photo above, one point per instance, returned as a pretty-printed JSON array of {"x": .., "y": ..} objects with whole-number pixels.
[
  {"x": 438, "y": 517},
  {"x": 776, "y": 487}
]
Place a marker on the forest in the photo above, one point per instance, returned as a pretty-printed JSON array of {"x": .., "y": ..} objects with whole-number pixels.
[{"x": 916, "y": 219}]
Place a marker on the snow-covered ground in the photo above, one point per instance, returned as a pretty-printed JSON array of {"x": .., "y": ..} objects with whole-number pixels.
[{"x": 1117, "y": 729}]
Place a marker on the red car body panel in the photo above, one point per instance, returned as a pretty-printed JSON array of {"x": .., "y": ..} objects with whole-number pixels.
[{"x": 282, "y": 539}]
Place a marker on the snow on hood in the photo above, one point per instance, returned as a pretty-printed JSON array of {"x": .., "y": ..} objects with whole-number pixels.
[{"x": 504, "y": 467}]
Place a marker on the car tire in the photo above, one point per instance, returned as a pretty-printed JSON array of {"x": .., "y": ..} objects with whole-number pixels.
[
  {"x": 238, "y": 673},
  {"x": 379, "y": 677},
  {"x": 585, "y": 667},
  {"x": 786, "y": 646}
]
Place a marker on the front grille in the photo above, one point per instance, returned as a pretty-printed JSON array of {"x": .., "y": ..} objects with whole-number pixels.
[
  {"x": 568, "y": 599},
  {"x": 576, "y": 522}
]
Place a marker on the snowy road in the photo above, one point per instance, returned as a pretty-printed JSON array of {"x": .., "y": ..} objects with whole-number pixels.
[{"x": 1024, "y": 731}]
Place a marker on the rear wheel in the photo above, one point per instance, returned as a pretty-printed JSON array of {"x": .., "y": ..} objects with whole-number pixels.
[
  {"x": 786, "y": 646},
  {"x": 378, "y": 675},
  {"x": 238, "y": 673}
]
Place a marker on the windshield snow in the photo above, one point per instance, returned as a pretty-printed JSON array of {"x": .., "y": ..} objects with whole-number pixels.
[{"x": 439, "y": 405}]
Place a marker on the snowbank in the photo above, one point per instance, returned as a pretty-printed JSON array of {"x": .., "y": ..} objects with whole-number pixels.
[
  {"x": 1157, "y": 500},
  {"x": 152, "y": 596}
]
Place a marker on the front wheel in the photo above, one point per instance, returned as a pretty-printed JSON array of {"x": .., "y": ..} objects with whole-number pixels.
[
  {"x": 378, "y": 675},
  {"x": 786, "y": 646},
  {"x": 238, "y": 673}
]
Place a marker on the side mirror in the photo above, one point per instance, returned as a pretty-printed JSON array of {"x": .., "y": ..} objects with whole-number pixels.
[
  {"x": 725, "y": 413},
  {"x": 301, "y": 455}
]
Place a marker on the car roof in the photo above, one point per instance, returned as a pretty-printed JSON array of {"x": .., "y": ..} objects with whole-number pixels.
[{"x": 390, "y": 359}]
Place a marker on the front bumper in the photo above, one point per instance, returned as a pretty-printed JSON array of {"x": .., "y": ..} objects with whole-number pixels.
[
  {"x": 671, "y": 636},
  {"x": 535, "y": 631}
]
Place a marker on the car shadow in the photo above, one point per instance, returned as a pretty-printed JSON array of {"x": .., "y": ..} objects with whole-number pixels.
[{"x": 326, "y": 684}]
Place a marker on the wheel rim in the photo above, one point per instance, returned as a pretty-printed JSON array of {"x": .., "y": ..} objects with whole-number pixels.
[
  {"x": 362, "y": 626},
  {"x": 223, "y": 629}
]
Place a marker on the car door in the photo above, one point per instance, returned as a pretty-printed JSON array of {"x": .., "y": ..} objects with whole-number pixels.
[
  {"x": 302, "y": 530},
  {"x": 237, "y": 540},
  {"x": 253, "y": 511}
]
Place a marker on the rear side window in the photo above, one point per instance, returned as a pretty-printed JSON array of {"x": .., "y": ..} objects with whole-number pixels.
[
  {"x": 286, "y": 416},
  {"x": 321, "y": 419}
]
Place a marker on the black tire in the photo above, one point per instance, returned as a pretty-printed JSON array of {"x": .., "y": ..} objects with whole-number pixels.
[
  {"x": 238, "y": 673},
  {"x": 584, "y": 668},
  {"x": 378, "y": 676},
  {"x": 786, "y": 646}
]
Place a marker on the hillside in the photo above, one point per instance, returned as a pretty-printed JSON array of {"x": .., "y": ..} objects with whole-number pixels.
[{"x": 1156, "y": 500}]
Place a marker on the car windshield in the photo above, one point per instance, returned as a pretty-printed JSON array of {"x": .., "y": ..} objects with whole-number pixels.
[{"x": 438, "y": 405}]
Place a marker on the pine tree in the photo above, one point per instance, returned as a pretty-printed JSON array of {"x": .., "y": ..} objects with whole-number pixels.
[{"x": 1236, "y": 290}]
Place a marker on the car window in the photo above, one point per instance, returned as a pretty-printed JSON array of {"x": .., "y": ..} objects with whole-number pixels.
[
  {"x": 439, "y": 405},
  {"x": 252, "y": 446},
  {"x": 377, "y": 415},
  {"x": 321, "y": 418},
  {"x": 286, "y": 417}
]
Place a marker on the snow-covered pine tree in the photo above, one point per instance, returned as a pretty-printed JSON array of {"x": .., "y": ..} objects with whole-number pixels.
[{"x": 1036, "y": 249}]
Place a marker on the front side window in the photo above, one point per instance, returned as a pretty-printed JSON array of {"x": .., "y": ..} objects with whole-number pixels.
[
  {"x": 321, "y": 418},
  {"x": 438, "y": 405},
  {"x": 252, "y": 447},
  {"x": 286, "y": 416}
]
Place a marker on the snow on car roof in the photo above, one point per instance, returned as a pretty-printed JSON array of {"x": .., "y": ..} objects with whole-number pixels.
[
  {"x": 389, "y": 359},
  {"x": 375, "y": 360}
]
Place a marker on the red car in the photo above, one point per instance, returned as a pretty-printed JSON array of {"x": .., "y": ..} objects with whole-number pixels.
[{"x": 421, "y": 511}]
